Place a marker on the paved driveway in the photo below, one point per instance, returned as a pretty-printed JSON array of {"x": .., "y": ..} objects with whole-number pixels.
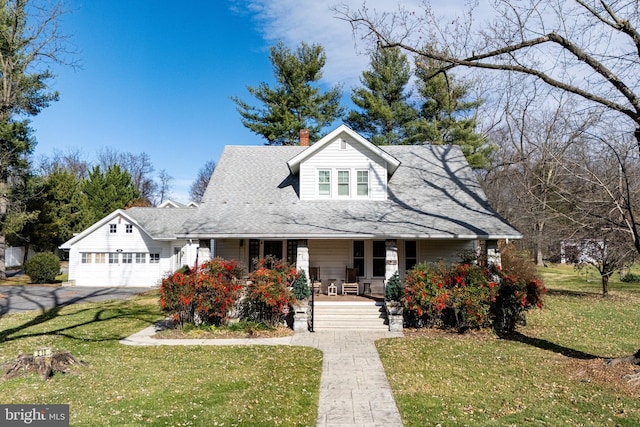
[{"x": 14, "y": 299}]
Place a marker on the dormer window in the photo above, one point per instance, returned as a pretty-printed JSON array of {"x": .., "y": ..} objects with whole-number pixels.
[
  {"x": 343, "y": 166},
  {"x": 362, "y": 183},
  {"x": 343, "y": 183},
  {"x": 324, "y": 182}
]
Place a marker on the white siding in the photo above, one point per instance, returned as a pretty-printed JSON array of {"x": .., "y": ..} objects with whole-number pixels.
[
  {"x": 230, "y": 249},
  {"x": 446, "y": 250},
  {"x": 120, "y": 274},
  {"x": 353, "y": 158},
  {"x": 332, "y": 256}
]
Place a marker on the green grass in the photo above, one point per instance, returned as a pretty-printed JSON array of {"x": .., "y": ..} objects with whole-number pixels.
[
  {"x": 158, "y": 386},
  {"x": 550, "y": 374},
  {"x": 23, "y": 279}
]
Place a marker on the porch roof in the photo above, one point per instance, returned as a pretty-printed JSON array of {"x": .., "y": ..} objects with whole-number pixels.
[{"x": 432, "y": 195}]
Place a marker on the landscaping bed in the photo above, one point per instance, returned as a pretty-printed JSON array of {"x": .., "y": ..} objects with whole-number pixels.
[{"x": 224, "y": 332}]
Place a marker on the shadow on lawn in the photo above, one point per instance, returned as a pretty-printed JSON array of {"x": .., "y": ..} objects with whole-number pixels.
[
  {"x": 145, "y": 314},
  {"x": 549, "y": 346},
  {"x": 577, "y": 294}
]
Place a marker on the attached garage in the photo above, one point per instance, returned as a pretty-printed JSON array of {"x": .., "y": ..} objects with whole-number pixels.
[{"x": 134, "y": 247}]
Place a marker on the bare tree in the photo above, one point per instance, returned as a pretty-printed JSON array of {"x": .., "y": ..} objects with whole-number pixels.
[
  {"x": 525, "y": 183},
  {"x": 139, "y": 167},
  {"x": 199, "y": 186},
  {"x": 165, "y": 185},
  {"x": 72, "y": 161},
  {"x": 589, "y": 50},
  {"x": 598, "y": 179},
  {"x": 31, "y": 41}
]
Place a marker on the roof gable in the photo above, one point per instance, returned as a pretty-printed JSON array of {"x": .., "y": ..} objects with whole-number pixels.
[
  {"x": 157, "y": 223},
  {"x": 98, "y": 224},
  {"x": 294, "y": 163}
]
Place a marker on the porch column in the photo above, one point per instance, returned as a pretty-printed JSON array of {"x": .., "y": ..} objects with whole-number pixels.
[
  {"x": 493, "y": 253},
  {"x": 391, "y": 257},
  {"x": 302, "y": 257}
]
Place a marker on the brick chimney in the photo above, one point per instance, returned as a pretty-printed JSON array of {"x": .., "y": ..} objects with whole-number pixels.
[{"x": 304, "y": 137}]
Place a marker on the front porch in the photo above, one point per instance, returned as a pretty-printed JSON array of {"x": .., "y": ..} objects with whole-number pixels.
[
  {"x": 349, "y": 312},
  {"x": 324, "y": 298}
]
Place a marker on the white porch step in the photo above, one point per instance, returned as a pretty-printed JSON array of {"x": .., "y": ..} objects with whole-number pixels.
[{"x": 349, "y": 316}]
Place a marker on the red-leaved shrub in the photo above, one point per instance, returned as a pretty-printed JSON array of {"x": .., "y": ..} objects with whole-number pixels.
[{"x": 206, "y": 294}]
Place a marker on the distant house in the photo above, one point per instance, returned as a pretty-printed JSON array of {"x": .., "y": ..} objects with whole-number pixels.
[{"x": 341, "y": 202}]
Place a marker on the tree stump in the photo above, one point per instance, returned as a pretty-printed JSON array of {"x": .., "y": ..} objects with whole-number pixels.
[
  {"x": 634, "y": 360},
  {"x": 44, "y": 363}
]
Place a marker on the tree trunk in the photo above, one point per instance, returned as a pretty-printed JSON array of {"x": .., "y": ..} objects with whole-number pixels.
[
  {"x": 539, "y": 257},
  {"x": 605, "y": 285},
  {"x": 3, "y": 214},
  {"x": 538, "y": 240},
  {"x": 3, "y": 274}
]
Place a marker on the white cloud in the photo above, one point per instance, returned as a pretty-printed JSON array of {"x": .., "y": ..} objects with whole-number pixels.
[{"x": 312, "y": 21}]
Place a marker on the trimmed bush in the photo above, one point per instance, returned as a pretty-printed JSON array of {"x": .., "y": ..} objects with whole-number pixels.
[
  {"x": 300, "y": 287},
  {"x": 467, "y": 296},
  {"x": 203, "y": 295},
  {"x": 393, "y": 289},
  {"x": 631, "y": 278},
  {"x": 43, "y": 267},
  {"x": 449, "y": 296},
  {"x": 268, "y": 296}
]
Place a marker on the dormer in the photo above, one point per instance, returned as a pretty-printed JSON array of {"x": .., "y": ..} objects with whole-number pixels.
[{"x": 343, "y": 166}]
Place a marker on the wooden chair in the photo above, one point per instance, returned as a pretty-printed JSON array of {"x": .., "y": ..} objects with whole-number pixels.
[
  {"x": 314, "y": 279},
  {"x": 350, "y": 282}
]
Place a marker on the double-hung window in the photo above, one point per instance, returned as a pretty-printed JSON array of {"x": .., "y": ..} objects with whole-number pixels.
[
  {"x": 410, "y": 254},
  {"x": 324, "y": 182},
  {"x": 343, "y": 183},
  {"x": 362, "y": 183},
  {"x": 113, "y": 257},
  {"x": 379, "y": 258}
]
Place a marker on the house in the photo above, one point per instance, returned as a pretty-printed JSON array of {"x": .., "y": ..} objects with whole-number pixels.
[
  {"x": 341, "y": 202},
  {"x": 133, "y": 247}
]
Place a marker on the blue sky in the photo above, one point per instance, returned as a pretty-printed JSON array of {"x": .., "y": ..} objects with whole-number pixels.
[{"x": 156, "y": 76}]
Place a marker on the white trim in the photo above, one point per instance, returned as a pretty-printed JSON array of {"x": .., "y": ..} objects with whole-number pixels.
[{"x": 392, "y": 162}]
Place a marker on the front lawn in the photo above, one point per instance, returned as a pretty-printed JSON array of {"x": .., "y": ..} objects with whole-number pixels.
[
  {"x": 551, "y": 373},
  {"x": 173, "y": 386}
]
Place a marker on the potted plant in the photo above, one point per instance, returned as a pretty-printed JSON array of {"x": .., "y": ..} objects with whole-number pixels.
[
  {"x": 393, "y": 304},
  {"x": 300, "y": 287}
]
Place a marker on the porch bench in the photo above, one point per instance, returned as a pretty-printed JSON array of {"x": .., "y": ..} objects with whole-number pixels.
[{"x": 350, "y": 287}]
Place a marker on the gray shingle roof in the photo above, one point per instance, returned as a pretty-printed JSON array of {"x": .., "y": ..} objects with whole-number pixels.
[
  {"x": 433, "y": 194},
  {"x": 161, "y": 223}
]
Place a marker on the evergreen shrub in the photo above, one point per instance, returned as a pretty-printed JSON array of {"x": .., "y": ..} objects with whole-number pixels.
[{"x": 43, "y": 267}]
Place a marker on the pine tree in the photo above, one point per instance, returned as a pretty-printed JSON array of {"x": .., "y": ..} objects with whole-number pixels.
[
  {"x": 294, "y": 103},
  {"x": 383, "y": 99},
  {"x": 447, "y": 115},
  {"x": 109, "y": 191},
  {"x": 29, "y": 38},
  {"x": 62, "y": 210}
]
